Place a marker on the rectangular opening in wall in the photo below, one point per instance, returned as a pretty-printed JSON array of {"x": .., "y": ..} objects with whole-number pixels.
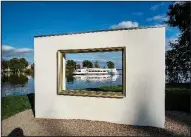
[{"x": 92, "y": 72}]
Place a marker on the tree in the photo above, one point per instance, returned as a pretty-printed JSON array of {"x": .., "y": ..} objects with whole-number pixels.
[
  {"x": 70, "y": 65},
  {"x": 4, "y": 64},
  {"x": 18, "y": 65},
  {"x": 87, "y": 63},
  {"x": 32, "y": 66},
  {"x": 14, "y": 64},
  {"x": 96, "y": 65},
  {"x": 110, "y": 64},
  {"x": 23, "y": 63},
  {"x": 178, "y": 59},
  {"x": 16, "y": 79}
]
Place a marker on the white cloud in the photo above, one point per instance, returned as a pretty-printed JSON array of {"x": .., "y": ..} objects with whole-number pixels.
[
  {"x": 98, "y": 59},
  {"x": 7, "y": 48},
  {"x": 160, "y": 25},
  {"x": 173, "y": 40},
  {"x": 155, "y": 7},
  {"x": 178, "y": 2},
  {"x": 137, "y": 13},
  {"x": 158, "y": 18},
  {"x": 124, "y": 24},
  {"x": 170, "y": 40},
  {"x": 9, "y": 51},
  {"x": 24, "y": 50}
]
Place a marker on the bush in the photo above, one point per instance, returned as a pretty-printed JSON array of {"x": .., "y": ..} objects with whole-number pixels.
[{"x": 177, "y": 99}]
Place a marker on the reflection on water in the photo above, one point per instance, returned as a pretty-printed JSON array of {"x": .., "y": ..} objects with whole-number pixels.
[
  {"x": 20, "y": 84},
  {"x": 16, "y": 84},
  {"x": 15, "y": 79},
  {"x": 95, "y": 78},
  {"x": 70, "y": 79},
  {"x": 92, "y": 81}
]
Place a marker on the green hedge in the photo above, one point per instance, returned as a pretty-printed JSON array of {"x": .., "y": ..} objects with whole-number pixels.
[
  {"x": 178, "y": 85},
  {"x": 177, "y": 99}
]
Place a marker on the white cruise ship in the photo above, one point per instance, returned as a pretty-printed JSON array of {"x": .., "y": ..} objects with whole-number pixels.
[{"x": 95, "y": 71}]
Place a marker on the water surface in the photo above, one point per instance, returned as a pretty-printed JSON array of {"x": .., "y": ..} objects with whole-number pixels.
[
  {"x": 16, "y": 84},
  {"x": 21, "y": 84},
  {"x": 92, "y": 81}
]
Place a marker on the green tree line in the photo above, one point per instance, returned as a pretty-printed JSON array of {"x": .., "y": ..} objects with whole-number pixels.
[
  {"x": 16, "y": 65},
  {"x": 71, "y": 65}
]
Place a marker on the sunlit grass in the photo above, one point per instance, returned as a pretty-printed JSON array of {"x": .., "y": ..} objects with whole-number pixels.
[{"x": 14, "y": 104}]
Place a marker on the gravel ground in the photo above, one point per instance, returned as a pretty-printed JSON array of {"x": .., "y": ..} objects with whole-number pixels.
[{"x": 24, "y": 123}]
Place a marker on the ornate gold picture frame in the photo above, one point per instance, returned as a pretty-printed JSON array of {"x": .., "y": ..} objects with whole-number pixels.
[{"x": 80, "y": 92}]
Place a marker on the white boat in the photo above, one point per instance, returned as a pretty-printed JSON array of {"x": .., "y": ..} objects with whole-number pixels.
[
  {"x": 95, "y": 71},
  {"x": 96, "y": 77}
]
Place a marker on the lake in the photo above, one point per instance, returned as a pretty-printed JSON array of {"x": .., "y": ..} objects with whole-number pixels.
[
  {"x": 14, "y": 84},
  {"x": 92, "y": 81}
]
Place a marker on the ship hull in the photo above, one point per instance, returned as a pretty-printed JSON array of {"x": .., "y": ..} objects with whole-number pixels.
[{"x": 95, "y": 71}]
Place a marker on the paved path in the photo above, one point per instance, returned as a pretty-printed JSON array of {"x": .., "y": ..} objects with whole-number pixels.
[{"x": 26, "y": 124}]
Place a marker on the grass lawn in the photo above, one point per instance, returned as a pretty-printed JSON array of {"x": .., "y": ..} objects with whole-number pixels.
[
  {"x": 176, "y": 99},
  {"x": 15, "y": 104}
]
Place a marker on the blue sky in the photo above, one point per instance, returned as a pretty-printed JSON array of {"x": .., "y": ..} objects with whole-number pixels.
[
  {"x": 101, "y": 57},
  {"x": 21, "y": 21}
]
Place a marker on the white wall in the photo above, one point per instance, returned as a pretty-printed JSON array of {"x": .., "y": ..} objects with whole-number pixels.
[{"x": 144, "y": 103}]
